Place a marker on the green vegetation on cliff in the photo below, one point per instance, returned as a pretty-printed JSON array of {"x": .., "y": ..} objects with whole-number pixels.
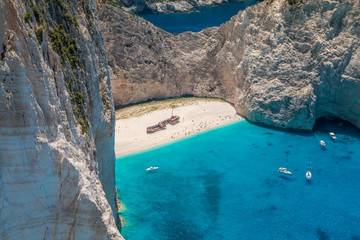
[
  {"x": 39, "y": 33},
  {"x": 36, "y": 13},
  {"x": 63, "y": 41},
  {"x": 27, "y": 18},
  {"x": 292, "y": 2},
  {"x": 66, "y": 47},
  {"x": 70, "y": 20},
  {"x": 57, "y": 20}
]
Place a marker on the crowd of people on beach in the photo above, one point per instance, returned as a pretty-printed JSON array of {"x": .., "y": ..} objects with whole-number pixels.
[{"x": 197, "y": 127}]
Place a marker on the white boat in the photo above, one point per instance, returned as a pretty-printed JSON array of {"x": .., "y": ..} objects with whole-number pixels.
[
  {"x": 285, "y": 170},
  {"x": 308, "y": 173},
  {"x": 151, "y": 168},
  {"x": 322, "y": 143},
  {"x": 332, "y": 135}
]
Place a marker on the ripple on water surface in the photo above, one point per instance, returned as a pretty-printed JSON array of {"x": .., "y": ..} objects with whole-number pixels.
[{"x": 224, "y": 184}]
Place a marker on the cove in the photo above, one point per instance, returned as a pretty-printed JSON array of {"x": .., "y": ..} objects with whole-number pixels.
[
  {"x": 224, "y": 184},
  {"x": 198, "y": 20}
]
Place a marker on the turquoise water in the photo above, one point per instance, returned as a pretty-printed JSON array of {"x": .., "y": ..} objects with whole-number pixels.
[
  {"x": 224, "y": 184},
  {"x": 196, "y": 21}
]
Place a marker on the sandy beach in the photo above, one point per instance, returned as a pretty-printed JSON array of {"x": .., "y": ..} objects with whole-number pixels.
[{"x": 195, "y": 116}]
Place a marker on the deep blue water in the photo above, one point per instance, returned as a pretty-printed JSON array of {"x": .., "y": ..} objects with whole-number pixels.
[
  {"x": 196, "y": 21},
  {"x": 224, "y": 184}
]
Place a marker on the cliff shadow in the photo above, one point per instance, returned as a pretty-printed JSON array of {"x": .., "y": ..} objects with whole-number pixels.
[{"x": 336, "y": 125}]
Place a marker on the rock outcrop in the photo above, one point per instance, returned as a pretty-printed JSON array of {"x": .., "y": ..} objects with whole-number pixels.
[
  {"x": 56, "y": 123},
  {"x": 281, "y": 63}
]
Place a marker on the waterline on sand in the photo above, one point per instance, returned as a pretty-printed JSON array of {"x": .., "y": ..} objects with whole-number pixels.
[{"x": 195, "y": 116}]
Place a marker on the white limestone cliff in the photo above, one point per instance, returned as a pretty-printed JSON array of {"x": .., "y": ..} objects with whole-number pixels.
[
  {"x": 56, "y": 167},
  {"x": 299, "y": 65}
]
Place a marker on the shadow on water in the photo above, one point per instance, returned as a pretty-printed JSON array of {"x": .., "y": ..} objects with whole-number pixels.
[
  {"x": 337, "y": 126},
  {"x": 171, "y": 204},
  {"x": 322, "y": 124},
  {"x": 179, "y": 229},
  {"x": 287, "y": 178},
  {"x": 322, "y": 235},
  {"x": 272, "y": 208},
  {"x": 270, "y": 182},
  {"x": 263, "y": 195},
  {"x": 212, "y": 194},
  {"x": 278, "y": 129}
]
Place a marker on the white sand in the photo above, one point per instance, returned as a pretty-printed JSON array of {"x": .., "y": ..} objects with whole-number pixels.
[{"x": 131, "y": 136}]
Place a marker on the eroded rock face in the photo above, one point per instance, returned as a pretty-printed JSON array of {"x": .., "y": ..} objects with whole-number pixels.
[
  {"x": 56, "y": 123},
  {"x": 280, "y": 65},
  {"x": 147, "y": 62}
]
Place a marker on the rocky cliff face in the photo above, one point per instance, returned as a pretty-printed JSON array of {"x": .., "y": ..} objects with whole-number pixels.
[
  {"x": 56, "y": 123},
  {"x": 147, "y": 62},
  {"x": 280, "y": 64}
]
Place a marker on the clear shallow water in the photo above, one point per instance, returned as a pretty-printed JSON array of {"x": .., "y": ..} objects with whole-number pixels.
[
  {"x": 197, "y": 21},
  {"x": 224, "y": 184}
]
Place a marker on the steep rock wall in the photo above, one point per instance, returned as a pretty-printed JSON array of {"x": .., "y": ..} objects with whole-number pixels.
[
  {"x": 147, "y": 62},
  {"x": 281, "y": 65},
  {"x": 56, "y": 123}
]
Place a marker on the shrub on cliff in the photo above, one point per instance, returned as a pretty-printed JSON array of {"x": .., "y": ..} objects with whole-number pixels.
[
  {"x": 66, "y": 47},
  {"x": 39, "y": 33},
  {"x": 27, "y": 18},
  {"x": 292, "y": 2},
  {"x": 36, "y": 13}
]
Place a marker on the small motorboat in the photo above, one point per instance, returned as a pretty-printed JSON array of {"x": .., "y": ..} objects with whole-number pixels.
[
  {"x": 332, "y": 135},
  {"x": 285, "y": 171},
  {"x": 151, "y": 168},
  {"x": 322, "y": 143},
  {"x": 308, "y": 175}
]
